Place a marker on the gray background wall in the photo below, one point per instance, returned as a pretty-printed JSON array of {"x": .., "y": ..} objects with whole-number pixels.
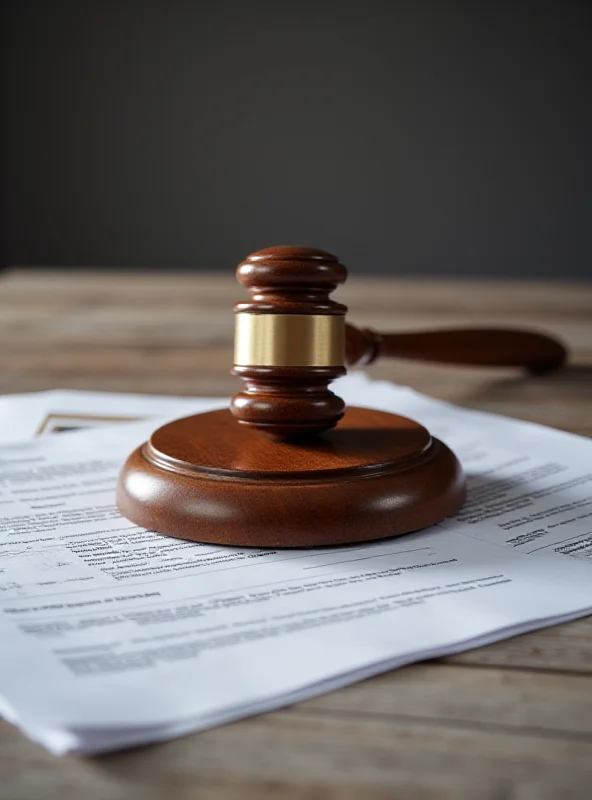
[{"x": 419, "y": 138}]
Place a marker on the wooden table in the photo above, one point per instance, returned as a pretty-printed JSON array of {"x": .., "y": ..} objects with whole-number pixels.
[{"x": 513, "y": 720}]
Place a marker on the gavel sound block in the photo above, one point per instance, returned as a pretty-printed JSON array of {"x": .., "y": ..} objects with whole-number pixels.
[{"x": 288, "y": 465}]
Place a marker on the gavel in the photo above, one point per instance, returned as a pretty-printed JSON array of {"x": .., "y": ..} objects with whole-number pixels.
[{"x": 291, "y": 340}]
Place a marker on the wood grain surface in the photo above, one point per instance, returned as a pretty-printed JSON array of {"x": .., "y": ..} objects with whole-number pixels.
[
  {"x": 374, "y": 476},
  {"x": 512, "y": 720}
]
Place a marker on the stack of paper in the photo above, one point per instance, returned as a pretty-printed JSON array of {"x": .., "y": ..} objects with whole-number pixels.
[{"x": 112, "y": 635}]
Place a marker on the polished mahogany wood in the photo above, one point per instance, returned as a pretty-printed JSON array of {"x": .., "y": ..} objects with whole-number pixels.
[
  {"x": 370, "y": 475},
  {"x": 290, "y": 279},
  {"x": 287, "y": 401},
  {"x": 483, "y": 347},
  {"x": 208, "y": 479},
  {"x": 284, "y": 402}
]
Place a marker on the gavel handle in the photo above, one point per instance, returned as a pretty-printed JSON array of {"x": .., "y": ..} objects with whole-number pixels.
[{"x": 485, "y": 347}]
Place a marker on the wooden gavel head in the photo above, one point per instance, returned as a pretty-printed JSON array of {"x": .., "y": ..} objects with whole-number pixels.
[{"x": 289, "y": 342}]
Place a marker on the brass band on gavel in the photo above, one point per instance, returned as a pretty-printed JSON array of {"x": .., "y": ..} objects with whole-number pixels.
[{"x": 289, "y": 340}]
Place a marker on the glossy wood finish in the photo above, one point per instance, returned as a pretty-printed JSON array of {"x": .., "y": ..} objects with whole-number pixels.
[
  {"x": 481, "y": 347},
  {"x": 208, "y": 479},
  {"x": 512, "y": 720},
  {"x": 284, "y": 401}
]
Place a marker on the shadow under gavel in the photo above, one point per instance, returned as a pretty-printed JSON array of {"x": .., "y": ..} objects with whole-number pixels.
[{"x": 485, "y": 347}]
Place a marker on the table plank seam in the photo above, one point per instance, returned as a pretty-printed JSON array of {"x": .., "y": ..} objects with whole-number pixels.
[
  {"x": 450, "y": 661},
  {"x": 446, "y": 722}
]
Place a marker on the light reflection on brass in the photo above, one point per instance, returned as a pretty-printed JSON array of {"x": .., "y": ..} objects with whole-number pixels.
[{"x": 289, "y": 340}]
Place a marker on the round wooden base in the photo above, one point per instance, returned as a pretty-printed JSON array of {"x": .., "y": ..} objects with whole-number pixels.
[{"x": 209, "y": 479}]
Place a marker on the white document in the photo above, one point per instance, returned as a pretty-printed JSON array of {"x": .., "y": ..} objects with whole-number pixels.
[
  {"x": 41, "y": 413},
  {"x": 530, "y": 487},
  {"x": 111, "y": 635}
]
